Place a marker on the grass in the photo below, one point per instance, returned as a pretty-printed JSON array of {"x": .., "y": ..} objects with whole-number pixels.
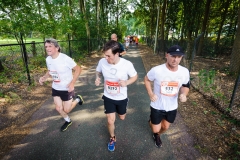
[{"x": 14, "y": 41}]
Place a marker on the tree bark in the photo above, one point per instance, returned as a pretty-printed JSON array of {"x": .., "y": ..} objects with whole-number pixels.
[
  {"x": 163, "y": 17},
  {"x": 1, "y": 67},
  {"x": 223, "y": 18},
  {"x": 204, "y": 26},
  {"x": 83, "y": 10},
  {"x": 235, "y": 56}
]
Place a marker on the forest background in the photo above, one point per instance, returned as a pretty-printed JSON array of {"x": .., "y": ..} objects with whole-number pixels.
[{"x": 207, "y": 30}]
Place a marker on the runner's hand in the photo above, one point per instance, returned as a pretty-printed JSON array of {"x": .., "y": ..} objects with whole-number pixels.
[
  {"x": 70, "y": 87},
  {"x": 122, "y": 83},
  {"x": 42, "y": 79},
  {"x": 97, "y": 81},
  {"x": 153, "y": 97},
  {"x": 182, "y": 98}
]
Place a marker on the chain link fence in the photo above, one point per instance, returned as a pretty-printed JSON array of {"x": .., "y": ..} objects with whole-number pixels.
[{"x": 209, "y": 72}]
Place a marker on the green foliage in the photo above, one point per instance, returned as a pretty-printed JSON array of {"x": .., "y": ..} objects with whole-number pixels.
[
  {"x": 206, "y": 79},
  {"x": 208, "y": 83},
  {"x": 36, "y": 62},
  {"x": 3, "y": 78},
  {"x": 1, "y": 94},
  {"x": 201, "y": 149}
]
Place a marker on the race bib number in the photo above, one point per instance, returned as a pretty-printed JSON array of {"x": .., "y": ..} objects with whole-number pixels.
[
  {"x": 55, "y": 76},
  {"x": 169, "y": 88},
  {"x": 112, "y": 87}
]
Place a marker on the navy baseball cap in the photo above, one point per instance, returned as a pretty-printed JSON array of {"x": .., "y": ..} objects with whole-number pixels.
[{"x": 176, "y": 50}]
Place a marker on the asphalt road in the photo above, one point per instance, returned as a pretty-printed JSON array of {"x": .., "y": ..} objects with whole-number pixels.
[{"x": 87, "y": 137}]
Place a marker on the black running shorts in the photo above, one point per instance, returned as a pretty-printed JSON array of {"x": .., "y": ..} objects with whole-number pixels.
[
  {"x": 158, "y": 115},
  {"x": 64, "y": 95},
  {"x": 112, "y": 106}
]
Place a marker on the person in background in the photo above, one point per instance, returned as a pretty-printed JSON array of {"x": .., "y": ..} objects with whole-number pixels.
[
  {"x": 122, "y": 51},
  {"x": 127, "y": 42},
  {"x": 170, "y": 83},
  {"x": 60, "y": 67},
  {"x": 136, "y": 40},
  {"x": 118, "y": 73}
]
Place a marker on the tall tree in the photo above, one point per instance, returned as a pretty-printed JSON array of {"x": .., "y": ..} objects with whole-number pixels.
[
  {"x": 235, "y": 56},
  {"x": 163, "y": 18},
  {"x": 50, "y": 14},
  {"x": 223, "y": 19},
  {"x": 204, "y": 26}
]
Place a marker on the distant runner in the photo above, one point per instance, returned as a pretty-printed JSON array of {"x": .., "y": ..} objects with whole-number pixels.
[
  {"x": 122, "y": 50},
  {"x": 127, "y": 42}
]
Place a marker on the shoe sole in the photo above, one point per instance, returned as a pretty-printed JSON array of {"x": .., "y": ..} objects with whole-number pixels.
[
  {"x": 110, "y": 149},
  {"x": 67, "y": 127},
  {"x": 81, "y": 99}
]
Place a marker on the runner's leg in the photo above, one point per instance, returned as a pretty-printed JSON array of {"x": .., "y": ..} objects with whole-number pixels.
[
  {"x": 59, "y": 106},
  {"x": 164, "y": 126},
  {"x": 111, "y": 120}
]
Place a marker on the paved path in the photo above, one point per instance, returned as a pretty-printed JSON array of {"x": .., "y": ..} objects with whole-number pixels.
[{"x": 87, "y": 138}]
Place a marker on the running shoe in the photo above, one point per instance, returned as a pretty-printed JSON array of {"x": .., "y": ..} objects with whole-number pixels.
[
  {"x": 111, "y": 144},
  {"x": 157, "y": 139},
  {"x": 81, "y": 99},
  {"x": 65, "y": 126}
]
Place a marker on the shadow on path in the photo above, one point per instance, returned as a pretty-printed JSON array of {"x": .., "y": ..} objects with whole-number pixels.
[{"x": 87, "y": 137}]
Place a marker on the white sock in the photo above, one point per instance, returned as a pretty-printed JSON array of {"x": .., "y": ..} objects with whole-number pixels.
[
  {"x": 77, "y": 99},
  {"x": 67, "y": 119}
]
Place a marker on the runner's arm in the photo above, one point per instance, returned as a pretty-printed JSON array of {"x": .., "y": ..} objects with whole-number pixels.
[
  {"x": 77, "y": 70},
  {"x": 44, "y": 78},
  {"x": 183, "y": 93},
  {"x": 124, "y": 83},
  {"x": 148, "y": 86},
  {"x": 123, "y": 53},
  {"x": 98, "y": 78}
]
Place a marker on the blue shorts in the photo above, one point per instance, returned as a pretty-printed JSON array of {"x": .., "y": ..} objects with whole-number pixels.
[
  {"x": 64, "y": 95},
  {"x": 112, "y": 106},
  {"x": 158, "y": 115}
]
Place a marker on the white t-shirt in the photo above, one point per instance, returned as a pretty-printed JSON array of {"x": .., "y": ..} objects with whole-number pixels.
[
  {"x": 60, "y": 69},
  {"x": 166, "y": 86},
  {"x": 112, "y": 74}
]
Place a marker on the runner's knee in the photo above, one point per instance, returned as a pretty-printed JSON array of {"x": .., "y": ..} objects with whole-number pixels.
[
  {"x": 59, "y": 108},
  {"x": 110, "y": 121},
  {"x": 164, "y": 127},
  {"x": 66, "y": 110},
  {"x": 122, "y": 117}
]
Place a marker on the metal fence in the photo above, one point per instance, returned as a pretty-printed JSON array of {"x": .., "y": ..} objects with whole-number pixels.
[
  {"x": 209, "y": 74},
  {"x": 22, "y": 61}
]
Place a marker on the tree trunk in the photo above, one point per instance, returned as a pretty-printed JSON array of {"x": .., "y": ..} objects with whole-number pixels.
[
  {"x": 223, "y": 18},
  {"x": 163, "y": 15},
  {"x": 1, "y": 67},
  {"x": 204, "y": 26},
  {"x": 70, "y": 4},
  {"x": 235, "y": 56},
  {"x": 98, "y": 17},
  {"x": 83, "y": 10}
]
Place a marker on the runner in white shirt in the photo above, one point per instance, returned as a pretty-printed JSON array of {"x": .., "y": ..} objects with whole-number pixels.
[
  {"x": 169, "y": 81},
  {"x": 117, "y": 73},
  {"x": 60, "y": 68}
]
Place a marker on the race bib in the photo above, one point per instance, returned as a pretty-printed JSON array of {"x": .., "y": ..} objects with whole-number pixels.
[
  {"x": 112, "y": 87},
  {"x": 55, "y": 76},
  {"x": 169, "y": 88}
]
